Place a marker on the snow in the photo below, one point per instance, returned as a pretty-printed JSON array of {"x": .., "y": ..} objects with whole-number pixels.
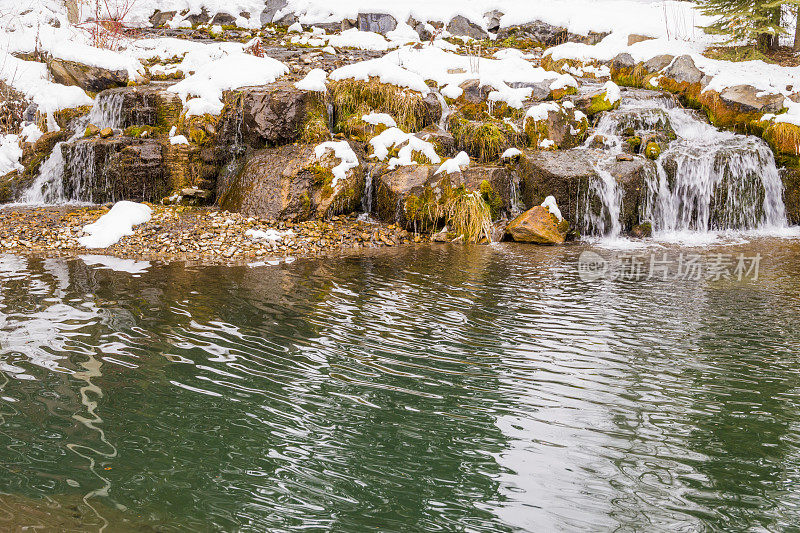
[
  {"x": 231, "y": 72},
  {"x": 115, "y": 224},
  {"x": 268, "y": 235},
  {"x": 380, "y": 118},
  {"x": 10, "y": 153},
  {"x": 563, "y": 81},
  {"x": 178, "y": 139},
  {"x": 30, "y": 132},
  {"x": 385, "y": 71},
  {"x": 295, "y": 28},
  {"x": 612, "y": 92},
  {"x": 314, "y": 81},
  {"x": 546, "y": 143},
  {"x": 108, "y": 262},
  {"x": 792, "y": 115},
  {"x": 452, "y": 91},
  {"x": 363, "y": 40},
  {"x": 551, "y": 205},
  {"x": 539, "y": 112},
  {"x": 454, "y": 165},
  {"x": 396, "y": 137},
  {"x": 343, "y": 152},
  {"x": 511, "y": 152}
]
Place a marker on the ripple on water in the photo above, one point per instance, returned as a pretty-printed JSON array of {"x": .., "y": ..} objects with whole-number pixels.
[{"x": 480, "y": 388}]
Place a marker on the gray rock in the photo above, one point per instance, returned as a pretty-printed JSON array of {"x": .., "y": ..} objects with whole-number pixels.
[
  {"x": 461, "y": 26},
  {"x": 475, "y": 93},
  {"x": 443, "y": 139},
  {"x": 159, "y": 18},
  {"x": 223, "y": 19},
  {"x": 547, "y": 34},
  {"x": 271, "y": 7},
  {"x": 658, "y": 63},
  {"x": 87, "y": 77},
  {"x": 376, "y": 22},
  {"x": 492, "y": 19},
  {"x": 144, "y": 105},
  {"x": 683, "y": 70},
  {"x": 623, "y": 61},
  {"x": 747, "y": 99}
]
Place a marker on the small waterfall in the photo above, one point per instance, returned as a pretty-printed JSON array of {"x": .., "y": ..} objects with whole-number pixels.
[
  {"x": 107, "y": 110},
  {"x": 714, "y": 180},
  {"x": 366, "y": 199},
  {"x": 48, "y": 187},
  {"x": 445, "y": 110},
  {"x": 705, "y": 180}
]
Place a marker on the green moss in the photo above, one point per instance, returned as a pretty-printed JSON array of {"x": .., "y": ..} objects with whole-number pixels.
[
  {"x": 492, "y": 199},
  {"x": 314, "y": 128},
  {"x": 558, "y": 94},
  {"x": 485, "y": 141},
  {"x": 652, "y": 150},
  {"x": 142, "y": 131},
  {"x": 598, "y": 103},
  {"x": 65, "y": 116},
  {"x": 352, "y": 97},
  {"x": 634, "y": 143}
]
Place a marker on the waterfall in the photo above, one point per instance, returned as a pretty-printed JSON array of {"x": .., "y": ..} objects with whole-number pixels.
[
  {"x": 705, "y": 180},
  {"x": 366, "y": 199},
  {"x": 445, "y": 110},
  {"x": 714, "y": 180},
  {"x": 48, "y": 187},
  {"x": 107, "y": 110}
]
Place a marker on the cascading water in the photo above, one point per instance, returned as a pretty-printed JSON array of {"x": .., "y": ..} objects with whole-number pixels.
[
  {"x": 366, "y": 199},
  {"x": 714, "y": 180},
  {"x": 705, "y": 180},
  {"x": 48, "y": 187}
]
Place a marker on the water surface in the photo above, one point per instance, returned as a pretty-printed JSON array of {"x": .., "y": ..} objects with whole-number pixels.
[{"x": 444, "y": 388}]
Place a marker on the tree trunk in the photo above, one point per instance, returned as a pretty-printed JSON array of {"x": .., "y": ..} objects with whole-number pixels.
[
  {"x": 767, "y": 42},
  {"x": 796, "y": 46}
]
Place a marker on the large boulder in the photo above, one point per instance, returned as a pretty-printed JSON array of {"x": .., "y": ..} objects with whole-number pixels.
[
  {"x": 290, "y": 183},
  {"x": 377, "y": 22},
  {"x": 272, "y": 114},
  {"x": 569, "y": 176},
  {"x": 87, "y": 77},
  {"x": 412, "y": 195},
  {"x": 657, "y": 63},
  {"x": 684, "y": 71},
  {"x": 119, "y": 168},
  {"x": 537, "y": 225},
  {"x": 748, "y": 99},
  {"x": 560, "y": 126},
  {"x": 462, "y": 26}
]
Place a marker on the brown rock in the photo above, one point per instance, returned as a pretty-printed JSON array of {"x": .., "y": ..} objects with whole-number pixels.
[
  {"x": 634, "y": 38},
  {"x": 105, "y": 133},
  {"x": 87, "y": 77},
  {"x": 538, "y": 226}
]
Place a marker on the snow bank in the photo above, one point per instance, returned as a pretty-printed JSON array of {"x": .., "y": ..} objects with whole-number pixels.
[
  {"x": 209, "y": 81},
  {"x": 10, "y": 153},
  {"x": 511, "y": 152},
  {"x": 456, "y": 164},
  {"x": 314, "y": 81},
  {"x": 380, "y": 118},
  {"x": 115, "y": 224},
  {"x": 363, "y": 40},
  {"x": 343, "y": 152}
]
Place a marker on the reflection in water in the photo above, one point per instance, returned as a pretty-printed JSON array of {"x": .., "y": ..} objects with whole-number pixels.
[{"x": 468, "y": 388}]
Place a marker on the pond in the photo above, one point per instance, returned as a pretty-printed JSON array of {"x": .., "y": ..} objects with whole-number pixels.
[{"x": 484, "y": 388}]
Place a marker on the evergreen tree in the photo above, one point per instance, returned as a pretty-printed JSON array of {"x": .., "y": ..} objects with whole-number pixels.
[{"x": 748, "y": 21}]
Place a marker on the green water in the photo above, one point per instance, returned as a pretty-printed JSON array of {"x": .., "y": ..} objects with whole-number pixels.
[{"x": 437, "y": 389}]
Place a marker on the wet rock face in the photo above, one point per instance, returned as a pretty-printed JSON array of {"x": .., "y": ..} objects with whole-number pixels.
[
  {"x": 270, "y": 9},
  {"x": 146, "y": 105},
  {"x": 269, "y": 114},
  {"x": 106, "y": 170},
  {"x": 290, "y": 183},
  {"x": 566, "y": 175},
  {"x": 87, "y": 77},
  {"x": 538, "y": 226}
]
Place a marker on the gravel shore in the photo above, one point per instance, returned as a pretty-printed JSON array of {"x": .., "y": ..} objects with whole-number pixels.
[{"x": 204, "y": 235}]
